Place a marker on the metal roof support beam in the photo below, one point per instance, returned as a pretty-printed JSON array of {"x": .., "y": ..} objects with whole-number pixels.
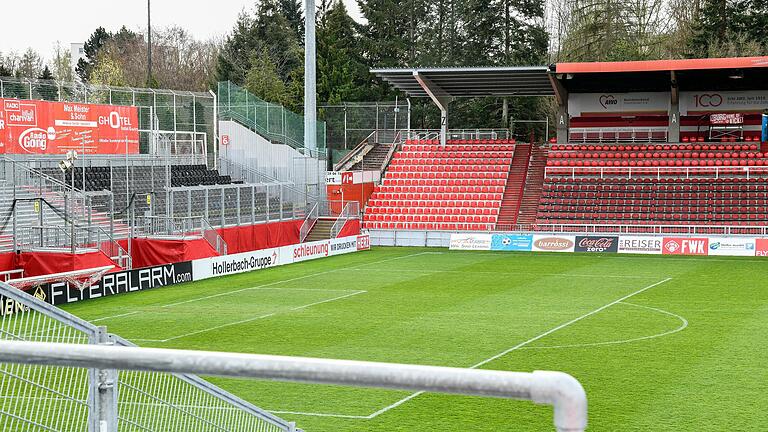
[
  {"x": 440, "y": 98},
  {"x": 673, "y": 134},
  {"x": 563, "y": 119}
]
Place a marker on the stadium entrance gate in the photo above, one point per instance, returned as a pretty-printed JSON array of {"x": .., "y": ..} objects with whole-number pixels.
[{"x": 49, "y": 398}]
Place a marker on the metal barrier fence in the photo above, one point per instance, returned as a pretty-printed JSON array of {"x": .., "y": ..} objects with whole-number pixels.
[
  {"x": 733, "y": 230},
  {"x": 87, "y": 398},
  {"x": 714, "y": 172},
  {"x": 351, "y": 122},
  {"x": 274, "y": 122},
  {"x": 458, "y": 134},
  {"x": 169, "y": 112},
  {"x": 164, "y": 226},
  {"x": 107, "y": 399}
]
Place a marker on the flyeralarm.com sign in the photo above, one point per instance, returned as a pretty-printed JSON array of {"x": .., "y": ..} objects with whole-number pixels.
[{"x": 41, "y": 127}]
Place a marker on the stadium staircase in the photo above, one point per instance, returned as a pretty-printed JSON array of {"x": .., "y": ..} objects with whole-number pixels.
[
  {"x": 648, "y": 184},
  {"x": 373, "y": 160},
  {"x": 321, "y": 230},
  {"x": 430, "y": 187},
  {"x": 534, "y": 183},
  {"x": 510, "y": 204}
]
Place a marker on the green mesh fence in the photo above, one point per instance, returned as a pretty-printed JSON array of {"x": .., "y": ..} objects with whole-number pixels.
[{"x": 271, "y": 121}]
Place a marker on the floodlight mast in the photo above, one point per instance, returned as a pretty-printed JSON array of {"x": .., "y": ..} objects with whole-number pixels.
[{"x": 310, "y": 78}]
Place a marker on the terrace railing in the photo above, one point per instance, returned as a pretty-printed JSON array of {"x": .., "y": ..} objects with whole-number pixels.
[
  {"x": 350, "y": 211},
  {"x": 715, "y": 172},
  {"x": 183, "y": 227},
  {"x": 309, "y": 222},
  {"x": 458, "y": 134}
]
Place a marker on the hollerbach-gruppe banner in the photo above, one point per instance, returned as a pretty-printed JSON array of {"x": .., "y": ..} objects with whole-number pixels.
[
  {"x": 146, "y": 278},
  {"x": 635, "y": 244}
]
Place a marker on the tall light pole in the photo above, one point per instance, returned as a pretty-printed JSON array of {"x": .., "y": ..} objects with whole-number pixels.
[
  {"x": 149, "y": 43},
  {"x": 310, "y": 84}
]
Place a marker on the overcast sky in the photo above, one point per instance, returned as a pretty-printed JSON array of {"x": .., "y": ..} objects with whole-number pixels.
[{"x": 40, "y": 23}]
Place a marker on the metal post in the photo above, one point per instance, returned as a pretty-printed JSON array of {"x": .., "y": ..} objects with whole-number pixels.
[
  {"x": 103, "y": 391},
  {"x": 72, "y": 208},
  {"x": 221, "y": 209},
  {"x": 215, "y": 130},
  {"x": 310, "y": 84}
]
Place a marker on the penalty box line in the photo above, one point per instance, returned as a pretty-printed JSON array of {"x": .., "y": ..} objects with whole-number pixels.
[{"x": 490, "y": 359}]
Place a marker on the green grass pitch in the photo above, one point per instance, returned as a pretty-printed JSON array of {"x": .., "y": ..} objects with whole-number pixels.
[{"x": 659, "y": 343}]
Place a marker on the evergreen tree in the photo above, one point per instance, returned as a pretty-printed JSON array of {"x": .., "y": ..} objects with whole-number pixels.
[
  {"x": 5, "y": 72},
  {"x": 342, "y": 73},
  {"x": 264, "y": 81},
  {"x": 30, "y": 64},
  {"x": 46, "y": 74},
  {"x": 234, "y": 59},
  {"x": 730, "y": 28},
  {"x": 92, "y": 46},
  {"x": 292, "y": 11}
]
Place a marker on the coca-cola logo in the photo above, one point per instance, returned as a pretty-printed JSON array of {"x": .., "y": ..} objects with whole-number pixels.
[
  {"x": 597, "y": 244},
  {"x": 553, "y": 244},
  {"x": 602, "y": 242}
]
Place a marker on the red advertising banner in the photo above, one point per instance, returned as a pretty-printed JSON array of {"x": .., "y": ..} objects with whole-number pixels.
[
  {"x": 684, "y": 246},
  {"x": 42, "y": 127},
  {"x": 761, "y": 247}
]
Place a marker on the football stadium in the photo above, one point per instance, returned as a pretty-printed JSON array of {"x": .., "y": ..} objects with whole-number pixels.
[{"x": 562, "y": 243}]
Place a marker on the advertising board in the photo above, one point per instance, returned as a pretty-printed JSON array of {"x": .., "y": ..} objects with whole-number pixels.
[
  {"x": 42, "y": 127},
  {"x": 761, "y": 247},
  {"x": 596, "y": 244},
  {"x": 512, "y": 242},
  {"x": 470, "y": 241},
  {"x": 731, "y": 246},
  {"x": 706, "y": 101},
  {"x": 684, "y": 246},
  {"x": 125, "y": 281},
  {"x": 553, "y": 243},
  {"x": 640, "y": 245},
  {"x": 589, "y": 103}
]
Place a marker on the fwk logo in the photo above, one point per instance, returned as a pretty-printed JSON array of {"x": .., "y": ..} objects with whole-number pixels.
[{"x": 685, "y": 246}]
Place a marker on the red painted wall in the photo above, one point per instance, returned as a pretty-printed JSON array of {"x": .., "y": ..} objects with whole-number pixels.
[{"x": 351, "y": 192}]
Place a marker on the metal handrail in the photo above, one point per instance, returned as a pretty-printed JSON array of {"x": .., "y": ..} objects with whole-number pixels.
[
  {"x": 351, "y": 210},
  {"x": 92, "y": 237},
  {"x": 357, "y": 149},
  {"x": 615, "y": 131},
  {"x": 453, "y": 134},
  {"x": 309, "y": 222},
  {"x": 212, "y": 236},
  {"x": 657, "y": 171}
]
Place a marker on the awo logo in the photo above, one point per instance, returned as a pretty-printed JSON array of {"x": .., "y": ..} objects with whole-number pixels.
[
  {"x": 607, "y": 101},
  {"x": 685, "y": 246}
]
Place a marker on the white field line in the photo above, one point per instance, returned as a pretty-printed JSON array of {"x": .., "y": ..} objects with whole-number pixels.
[
  {"x": 196, "y": 332},
  {"x": 683, "y": 326},
  {"x": 287, "y": 280},
  {"x": 509, "y": 273},
  {"x": 114, "y": 316},
  {"x": 529, "y": 341}
]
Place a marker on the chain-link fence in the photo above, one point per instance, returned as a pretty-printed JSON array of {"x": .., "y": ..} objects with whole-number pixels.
[
  {"x": 348, "y": 124},
  {"x": 272, "y": 121},
  {"x": 56, "y": 399},
  {"x": 185, "y": 120}
]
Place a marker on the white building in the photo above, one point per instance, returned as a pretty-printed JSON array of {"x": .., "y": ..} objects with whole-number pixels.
[{"x": 76, "y": 52}]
